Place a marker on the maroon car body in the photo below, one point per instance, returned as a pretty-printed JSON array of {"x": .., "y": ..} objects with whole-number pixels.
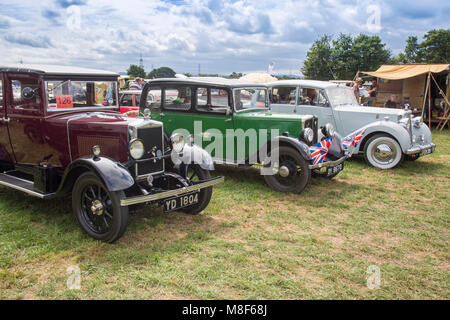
[{"x": 61, "y": 131}]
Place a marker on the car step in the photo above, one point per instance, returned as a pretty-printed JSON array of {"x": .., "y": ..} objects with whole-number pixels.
[{"x": 22, "y": 185}]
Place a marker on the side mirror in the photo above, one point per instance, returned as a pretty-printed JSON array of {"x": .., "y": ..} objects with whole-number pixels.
[{"x": 28, "y": 93}]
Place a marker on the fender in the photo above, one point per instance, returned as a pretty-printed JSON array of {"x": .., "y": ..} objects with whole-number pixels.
[
  {"x": 297, "y": 144},
  {"x": 394, "y": 129},
  {"x": 114, "y": 176}
]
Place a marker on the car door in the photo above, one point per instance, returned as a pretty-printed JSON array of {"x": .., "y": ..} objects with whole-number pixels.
[
  {"x": 283, "y": 99},
  {"x": 26, "y": 117},
  {"x": 314, "y": 101},
  {"x": 6, "y": 154}
]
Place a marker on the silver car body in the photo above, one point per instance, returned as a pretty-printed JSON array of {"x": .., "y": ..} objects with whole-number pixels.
[{"x": 340, "y": 108}]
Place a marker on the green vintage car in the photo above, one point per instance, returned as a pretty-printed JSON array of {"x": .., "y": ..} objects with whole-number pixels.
[{"x": 232, "y": 121}]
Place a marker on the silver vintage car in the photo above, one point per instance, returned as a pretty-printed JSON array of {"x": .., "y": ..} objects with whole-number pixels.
[{"x": 389, "y": 135}]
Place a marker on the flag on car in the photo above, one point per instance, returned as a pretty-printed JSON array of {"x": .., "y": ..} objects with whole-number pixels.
[
  {"x": 352, "y": 141},
  {"x": 320, "y": 150}
]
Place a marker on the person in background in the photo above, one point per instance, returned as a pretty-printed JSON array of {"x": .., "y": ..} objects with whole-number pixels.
[
  {"x": 356, "y": 86},
  {"x": 392, "y": 102},
  {"x": 138, "y": 84},
  {"x": 406, "y": 103},
  {"x": 373, "y": 92}
]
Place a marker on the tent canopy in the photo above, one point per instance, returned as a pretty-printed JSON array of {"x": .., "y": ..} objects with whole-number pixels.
[
  {"x": 398, "y": 72},
  {"x": 257, "y": 77}
]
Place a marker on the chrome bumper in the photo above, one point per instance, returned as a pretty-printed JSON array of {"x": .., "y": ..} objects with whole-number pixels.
[
  {"x": 170, "y": 193},
  {"x": 328, "y": 163},
  {"x": 420, "y": 149}
]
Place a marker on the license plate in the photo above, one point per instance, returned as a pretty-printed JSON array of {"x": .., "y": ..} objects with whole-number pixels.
[
  {"x": 335, "y": 169},
  {"x": 427, "y": 151},
  {"x": 173, "y": 204}
]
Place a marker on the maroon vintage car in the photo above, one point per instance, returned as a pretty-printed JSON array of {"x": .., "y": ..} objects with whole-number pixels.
[{"x": 61, "y": 131}]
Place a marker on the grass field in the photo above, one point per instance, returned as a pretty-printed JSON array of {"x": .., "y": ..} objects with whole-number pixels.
[{"x": 250, "y": 243}]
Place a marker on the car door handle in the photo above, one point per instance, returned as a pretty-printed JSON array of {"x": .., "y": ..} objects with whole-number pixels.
[{"x": 228, "y": 120}]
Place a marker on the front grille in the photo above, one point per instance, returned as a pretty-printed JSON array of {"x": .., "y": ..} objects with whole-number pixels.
[
  {"x": 313, "y": 124},
  {"x": 152, "y": 137}
]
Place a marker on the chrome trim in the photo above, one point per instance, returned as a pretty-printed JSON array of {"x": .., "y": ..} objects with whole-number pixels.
[
  {"x": 27, "y": 191},
  {"x": 419, "y": 149},
  {"x": 170, "y": 193},
  {"x": 328, "y": 163}
]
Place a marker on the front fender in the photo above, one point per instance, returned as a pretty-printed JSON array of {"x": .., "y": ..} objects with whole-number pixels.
[
  {"x": 397, "y": 131},
  {"x": 114, "y": 176},
  {"x": 300, "y": 146}
]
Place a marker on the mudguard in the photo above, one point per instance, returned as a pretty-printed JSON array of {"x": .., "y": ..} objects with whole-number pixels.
[
  {"x": 114, "y": 176},
  {"x": 396, "y": 130},
  {"x": 300, "y": 146},
  {"x": 193, "y": 155}
]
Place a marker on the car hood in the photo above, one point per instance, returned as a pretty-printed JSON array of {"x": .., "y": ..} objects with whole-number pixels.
[{"x": 373, "y": 113}]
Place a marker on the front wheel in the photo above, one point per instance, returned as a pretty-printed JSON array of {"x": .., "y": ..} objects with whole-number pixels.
[
  {"x": 383, "y": 152},
  {"x": 98, "y": 210},
  {"x": 196, "y": 173},
  {"x": 291, "y": 172}
]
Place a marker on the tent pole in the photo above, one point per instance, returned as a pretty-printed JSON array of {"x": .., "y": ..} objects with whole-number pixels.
[
  {"x": 429, "y": 100},
  {"x": 425, "y": 97}
]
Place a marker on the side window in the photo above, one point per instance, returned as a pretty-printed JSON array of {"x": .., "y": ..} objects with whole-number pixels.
[
  {"x": 312, "y": 97},
  {"x": 154, "y": 97},
  {"x": 283, "y": 95},
  {"x": 126, "y": 100},
  {"x": 177, "y": 98},
  {"x": 1, "y": 94},
  {"x": 26, "y": 94},
  {"x": 213, "y": 100}
]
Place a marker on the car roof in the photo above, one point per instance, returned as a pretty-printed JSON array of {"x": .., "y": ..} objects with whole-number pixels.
[
  {"x": 306, "y": 83},
  {"x": 208, "y": 81},
  {"x": 54, "y": 70}
]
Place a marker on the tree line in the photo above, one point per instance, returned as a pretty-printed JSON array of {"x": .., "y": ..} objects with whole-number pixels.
[{"x": 342, "y": 57}]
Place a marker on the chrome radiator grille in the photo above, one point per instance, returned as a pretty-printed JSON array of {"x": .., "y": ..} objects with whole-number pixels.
[{"x": 152, "y": 136}]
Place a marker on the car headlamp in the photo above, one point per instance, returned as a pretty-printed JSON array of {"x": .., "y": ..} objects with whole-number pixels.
[
  {"x": 307, "y": 135},
  {"x": 96, "y": 150},
  {"x": 136, "y": 149},
  {"x": 328, "y": 130},
  {"x": 177, "y": 142},
  {"x": 418, "y": 122}
]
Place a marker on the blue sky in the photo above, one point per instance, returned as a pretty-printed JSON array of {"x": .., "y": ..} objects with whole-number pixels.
[{"x": 221, "y": 36}]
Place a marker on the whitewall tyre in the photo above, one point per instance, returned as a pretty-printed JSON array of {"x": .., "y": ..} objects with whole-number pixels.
[{"x": 383, "y": 152}]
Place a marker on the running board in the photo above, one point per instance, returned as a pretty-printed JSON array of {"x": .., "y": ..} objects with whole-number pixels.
[{"x": 22, "y": 185}]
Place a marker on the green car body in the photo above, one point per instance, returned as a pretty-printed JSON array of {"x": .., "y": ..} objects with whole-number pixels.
[{"x": 236, "y": 113}]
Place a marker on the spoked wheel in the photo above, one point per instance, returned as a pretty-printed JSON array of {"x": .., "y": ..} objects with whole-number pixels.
[
  {"x": 196, "y": 173},
  {"x": 382, "y": 151},
  {"x": 98, "y": 210},
  {"x": 291, "y": 172}
]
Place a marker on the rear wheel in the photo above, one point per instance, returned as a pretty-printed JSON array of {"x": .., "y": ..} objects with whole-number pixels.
[
  {"x": 98, "y": 210},
  {"x": 196, "y": 173},
  {"x": 291, "y": 172},
  {"x": 382, "y": 151}
]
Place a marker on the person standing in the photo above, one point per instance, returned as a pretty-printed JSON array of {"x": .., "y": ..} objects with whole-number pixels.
[
  {"x": 356, "y": 86},
  {"x": 373, "y": 92},
  {"x": 392, "y": 102},
  {"x": 138, "y": 84}
]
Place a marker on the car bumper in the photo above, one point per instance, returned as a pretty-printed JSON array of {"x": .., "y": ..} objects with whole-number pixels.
[
  {"x": 170, "y": 193},
  {"x": 328, "y": 163},
  {"x": 428, "y": 148}
]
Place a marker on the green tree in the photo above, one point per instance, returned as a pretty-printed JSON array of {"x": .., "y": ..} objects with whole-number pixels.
[
  {"x": 163, "y": 72},
  {"x": 136, "y": 71},
  {"x": 436, "y": 46},
  {"x": 235, "y": 75},
  {"x": 413, "y": 53},
  {"x": 343, "y": 57},
  {"x": 318, "y": 60}
]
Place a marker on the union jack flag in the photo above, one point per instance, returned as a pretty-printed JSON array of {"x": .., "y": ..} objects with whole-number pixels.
[
  {"x": 320, "y": 150},
  {"x": 352, "y": 141}
]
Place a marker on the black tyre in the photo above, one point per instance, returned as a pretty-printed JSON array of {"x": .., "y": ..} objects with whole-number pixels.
[
  {"x": 196, "y": 173},
  {"x": 298, "y": 170},
  {"x": 98, "y": 210},
  {"x": 383, "y": 151}
]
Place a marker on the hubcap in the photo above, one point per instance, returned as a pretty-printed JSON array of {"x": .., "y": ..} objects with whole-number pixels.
[
  {"x": 97, "y": 207},
  {"x": 384, "y": 152},
  {"x": 284, "y": 171}
]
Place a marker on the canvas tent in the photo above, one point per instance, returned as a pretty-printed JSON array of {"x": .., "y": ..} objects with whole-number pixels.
[{"x": 427, "y": 86}]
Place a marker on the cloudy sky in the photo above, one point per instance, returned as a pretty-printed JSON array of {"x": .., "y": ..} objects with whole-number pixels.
[{"x": 221, "y": 36}]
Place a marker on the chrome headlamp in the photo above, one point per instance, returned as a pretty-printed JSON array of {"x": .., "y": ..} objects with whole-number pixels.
[
  {"x": 136, "y": 149},
  {"x": 307, "y": 135},
  {"x": 418, "y": 122},
  {"x": 328, "y": 130},
  {"x": 177, "y": 142}
]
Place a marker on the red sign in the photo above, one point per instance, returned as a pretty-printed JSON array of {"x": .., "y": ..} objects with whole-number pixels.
[{"x": 64, "y": 101}]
